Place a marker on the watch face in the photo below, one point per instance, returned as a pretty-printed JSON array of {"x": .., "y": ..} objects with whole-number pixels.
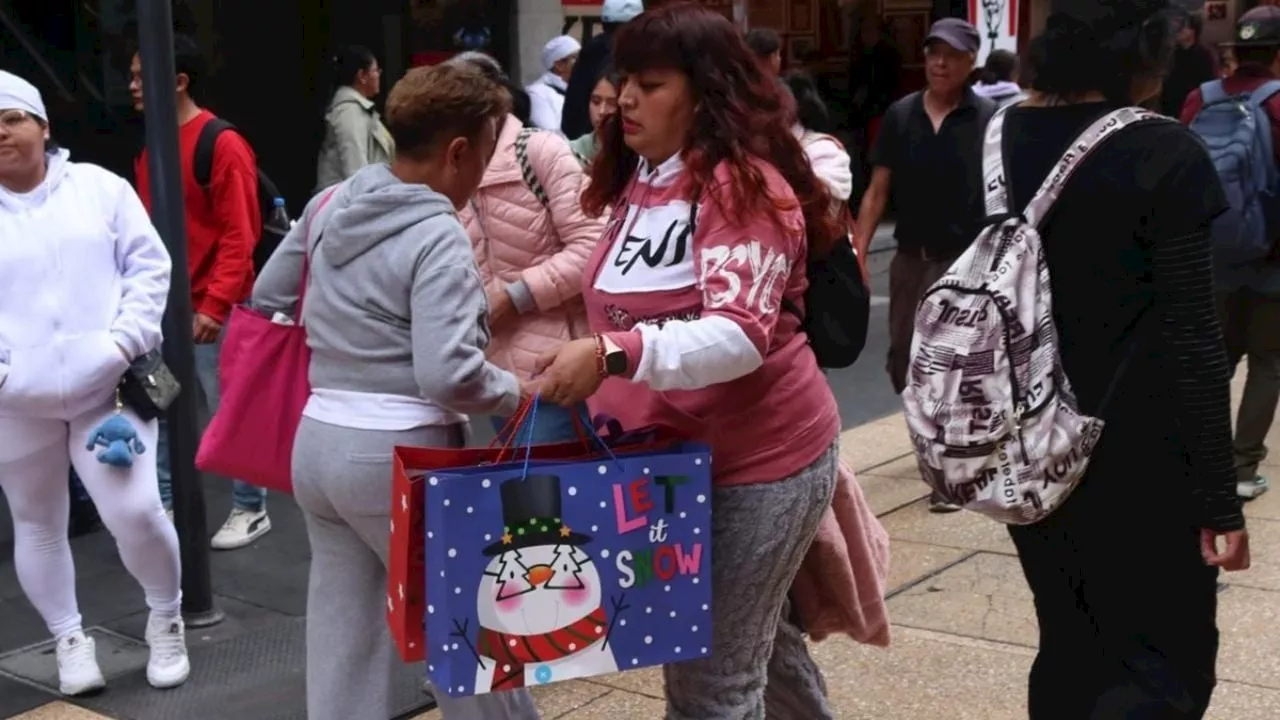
[{"x": 615, "y": 363}]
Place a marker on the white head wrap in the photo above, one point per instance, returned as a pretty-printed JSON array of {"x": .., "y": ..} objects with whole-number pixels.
[
  {"x": 620, "y": 11},
  {"x": 18, "y": 94},
  {"x": 558, "y": 49}
]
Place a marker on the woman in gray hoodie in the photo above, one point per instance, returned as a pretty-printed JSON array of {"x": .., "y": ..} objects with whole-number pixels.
[{"x": 395, "y": 317}]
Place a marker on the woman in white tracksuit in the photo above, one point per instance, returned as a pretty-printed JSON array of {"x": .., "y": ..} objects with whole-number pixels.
[{"x": 83, "y": 283}]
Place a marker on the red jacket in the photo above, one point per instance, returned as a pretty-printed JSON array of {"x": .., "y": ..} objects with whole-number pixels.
[
  {"x": 223, "y": 222},
  {"x": 1246, "y": 79}
]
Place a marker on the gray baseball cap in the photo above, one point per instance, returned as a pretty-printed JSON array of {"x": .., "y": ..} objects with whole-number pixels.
[
  {"x": 1259, "y": 27},
  {"x": 957, "y": 33}
]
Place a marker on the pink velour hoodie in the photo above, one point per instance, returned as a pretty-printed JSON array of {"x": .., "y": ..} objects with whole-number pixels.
[{"x": 695, "y": 299}]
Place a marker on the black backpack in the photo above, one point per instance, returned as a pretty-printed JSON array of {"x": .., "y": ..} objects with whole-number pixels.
[
  {"x": 269, "y": 236},
  {"x": 837, "y": 303},
  {"x": 837, "y": 307}
]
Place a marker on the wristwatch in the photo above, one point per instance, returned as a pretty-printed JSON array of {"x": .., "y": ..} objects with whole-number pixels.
[{"x": 611, "y": 360}]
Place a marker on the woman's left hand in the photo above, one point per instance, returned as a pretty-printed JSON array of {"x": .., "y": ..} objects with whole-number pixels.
[{"x": 570, "y": 373}]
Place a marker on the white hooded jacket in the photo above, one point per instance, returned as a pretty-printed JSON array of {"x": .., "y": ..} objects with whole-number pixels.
[{"x": 84, "y": 279}]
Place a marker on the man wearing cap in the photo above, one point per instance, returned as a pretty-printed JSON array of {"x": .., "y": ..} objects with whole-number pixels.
[
  {"x": 546, "y": 94},
  {"x": 927, "y": 156},
  {"x": 1249, "y": 295},
  {"x": 597, "y": 55}
]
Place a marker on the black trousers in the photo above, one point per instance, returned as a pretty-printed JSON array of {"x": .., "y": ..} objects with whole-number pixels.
[{"x": 1126, "y": 605}]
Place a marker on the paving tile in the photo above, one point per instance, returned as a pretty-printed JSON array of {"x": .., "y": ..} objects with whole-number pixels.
[
  {"x": 59, "y": 711},
  {"x": 556, "y": 700},
  {"x": 910, "y": 561},
  {"x": 875, "y": 443},
  {"x": 641, "y": 682},
  {"x": 1264, "y": 541},
  {"x": 925, "y": 675},
  {"x": 886, "y": 494},
  {"x": 903, "y": 467},
  {"x": 1249, "y": 621},
  {"x": 983, "y": 597},
  {"x": 1266, "y": 507},
  {"x": 964, "y": 530},
  {"x": 620, "y": 706},
  {"x": 18, "y": 697},
  {"x": 1236, "y": 701}
]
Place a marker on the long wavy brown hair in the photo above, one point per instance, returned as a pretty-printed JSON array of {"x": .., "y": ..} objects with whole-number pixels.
[{"x": 741, "y": 114}]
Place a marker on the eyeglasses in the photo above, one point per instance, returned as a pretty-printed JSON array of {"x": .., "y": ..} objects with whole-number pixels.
[{"x": 13, "y": 118}]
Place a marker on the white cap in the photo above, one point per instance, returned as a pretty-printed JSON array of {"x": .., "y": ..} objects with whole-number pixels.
[
  {"x": 18, "y": 94},
  {"x": 620, "y": 11},
  {"x": 558, "y": 49}
]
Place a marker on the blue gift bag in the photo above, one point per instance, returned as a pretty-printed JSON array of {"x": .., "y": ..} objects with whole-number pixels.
[{"x": 549, "y": 571}]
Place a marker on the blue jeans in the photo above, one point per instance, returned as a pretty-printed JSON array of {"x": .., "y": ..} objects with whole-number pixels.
[
  {"x": 243, "y": 495},
  {"x": 553, "y": 424}
]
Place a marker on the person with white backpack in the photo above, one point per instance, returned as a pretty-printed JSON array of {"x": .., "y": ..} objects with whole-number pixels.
[
  {"x": 1239, "y": 119},
  {"x": 1068, "y": 376}
]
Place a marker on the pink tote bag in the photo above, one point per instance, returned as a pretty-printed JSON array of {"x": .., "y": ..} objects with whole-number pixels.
[{"x": 262, "y": 370}]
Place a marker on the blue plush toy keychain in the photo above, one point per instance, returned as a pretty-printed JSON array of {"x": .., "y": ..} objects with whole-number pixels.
[{"x": 118, "y": 439}]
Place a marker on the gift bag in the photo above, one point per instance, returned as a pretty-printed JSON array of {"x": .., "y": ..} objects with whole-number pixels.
[
  {"x": 406, "y": 607},
  {"x": 540, "y": 572}
]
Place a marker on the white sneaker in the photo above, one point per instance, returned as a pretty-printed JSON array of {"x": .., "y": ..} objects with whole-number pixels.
[
  {"x": 1251, "y": 489},
  {"x": 241, "y": 528},
  {"x": 168, "y": 666},
  {"x": 78, "y": 671}
]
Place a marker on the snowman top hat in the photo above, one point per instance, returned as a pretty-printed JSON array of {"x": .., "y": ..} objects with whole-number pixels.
[{"x": 531, "y": 516}]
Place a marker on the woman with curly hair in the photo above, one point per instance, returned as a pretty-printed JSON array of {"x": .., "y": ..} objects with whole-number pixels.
[{"x": 696, "y": 295}]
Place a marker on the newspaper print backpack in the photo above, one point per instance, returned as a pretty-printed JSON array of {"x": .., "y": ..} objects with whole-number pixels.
[{"x": 992, "y": 417}]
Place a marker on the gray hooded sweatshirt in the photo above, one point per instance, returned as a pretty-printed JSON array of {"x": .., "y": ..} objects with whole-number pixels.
[{"x": 395, "y": 304}]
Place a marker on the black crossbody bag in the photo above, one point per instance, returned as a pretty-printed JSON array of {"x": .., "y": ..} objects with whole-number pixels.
[{"x": 148, "y": 386}]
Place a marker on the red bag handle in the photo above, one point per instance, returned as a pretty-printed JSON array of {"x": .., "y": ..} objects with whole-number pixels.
[{"x": 511, "y": 432}]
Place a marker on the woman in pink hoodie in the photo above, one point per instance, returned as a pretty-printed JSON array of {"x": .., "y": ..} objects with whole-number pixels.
[
  {"x": 531, "y": 239},
  {"x": 696, "y": 292}
]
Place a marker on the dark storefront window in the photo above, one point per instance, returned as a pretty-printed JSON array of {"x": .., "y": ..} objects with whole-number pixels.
[{"x": 443, "y": 28}]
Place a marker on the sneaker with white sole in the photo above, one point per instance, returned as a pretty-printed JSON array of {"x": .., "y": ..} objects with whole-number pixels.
[
  {"x": 78, "y": 671},
  {"x": 241, "y": 528},
  {"x": 1250, "y": 489},
  {"x": 168, "y": 666}
]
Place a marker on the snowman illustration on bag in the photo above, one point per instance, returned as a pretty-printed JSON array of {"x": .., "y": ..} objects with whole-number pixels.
[{"x": 540, "y": 600}]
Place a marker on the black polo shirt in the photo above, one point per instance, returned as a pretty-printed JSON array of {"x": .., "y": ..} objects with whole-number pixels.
[{"x": 936, "y": 181}]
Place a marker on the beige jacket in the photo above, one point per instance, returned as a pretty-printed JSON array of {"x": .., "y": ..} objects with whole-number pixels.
[{"x": 354, "y": 137}]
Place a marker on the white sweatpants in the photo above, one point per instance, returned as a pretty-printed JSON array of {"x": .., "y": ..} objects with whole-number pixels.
[{"x": 35, "y": 456}]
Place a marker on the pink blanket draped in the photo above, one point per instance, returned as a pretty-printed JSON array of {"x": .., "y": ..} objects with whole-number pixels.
[{"x": 841, "y": 583}]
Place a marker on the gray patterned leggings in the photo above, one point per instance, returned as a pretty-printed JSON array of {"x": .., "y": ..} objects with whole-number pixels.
[{"x": 759, "y": 665}]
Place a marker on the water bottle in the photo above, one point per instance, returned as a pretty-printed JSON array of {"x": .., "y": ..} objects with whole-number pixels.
[{"x": 278, "y": 223}]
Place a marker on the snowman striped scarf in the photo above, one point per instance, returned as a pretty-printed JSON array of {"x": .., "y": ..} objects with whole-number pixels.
[{"x": 514, "y": 652}]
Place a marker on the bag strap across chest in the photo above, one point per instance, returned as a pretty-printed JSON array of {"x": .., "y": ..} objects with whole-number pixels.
[
  {"x": 995, "y": 170},
  {"x": 526, "y": 167}
]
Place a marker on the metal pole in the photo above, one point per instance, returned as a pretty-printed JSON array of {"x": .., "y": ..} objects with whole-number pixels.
[{"x": 155, "y": 46}]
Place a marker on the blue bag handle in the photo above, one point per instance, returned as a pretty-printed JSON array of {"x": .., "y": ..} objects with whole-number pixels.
[{"x": 533, "y": 419}]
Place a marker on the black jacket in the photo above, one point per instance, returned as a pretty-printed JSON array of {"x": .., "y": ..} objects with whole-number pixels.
[{"x": 596, "y": 55}]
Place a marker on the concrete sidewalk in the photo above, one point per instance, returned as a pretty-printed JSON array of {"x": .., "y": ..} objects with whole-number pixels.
[{"x": 964, "y": 626}]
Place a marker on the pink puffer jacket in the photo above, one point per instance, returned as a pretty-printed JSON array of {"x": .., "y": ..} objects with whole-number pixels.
[{"x": 516, "y": 240}]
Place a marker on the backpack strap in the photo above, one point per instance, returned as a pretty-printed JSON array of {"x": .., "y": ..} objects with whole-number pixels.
[
  {"x": 993, "y": 171},
  {"x": 202, "y": 163},
  {"x": 1212, "y": 92},
  {"x": 1257, "y": 99},
  {"x": 526, "y": 167}
]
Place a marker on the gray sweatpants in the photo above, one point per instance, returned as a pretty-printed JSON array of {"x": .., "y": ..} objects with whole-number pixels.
[
  {"x": 342, "y": 481},
  {"x": 759, "y": 666}
]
